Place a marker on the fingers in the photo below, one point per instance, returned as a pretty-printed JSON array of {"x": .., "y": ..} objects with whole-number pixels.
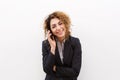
[{"x": 48, "y": 34}]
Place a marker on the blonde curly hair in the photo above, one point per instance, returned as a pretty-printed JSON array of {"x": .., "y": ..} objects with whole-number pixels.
[{"x": 62, "y": 17}]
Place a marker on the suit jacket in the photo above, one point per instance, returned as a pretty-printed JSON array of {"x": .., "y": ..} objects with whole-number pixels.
[{"x": 72, "y": 58}]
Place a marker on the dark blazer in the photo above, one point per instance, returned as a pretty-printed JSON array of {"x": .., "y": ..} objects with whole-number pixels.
[{"x": 72, "y": 58}]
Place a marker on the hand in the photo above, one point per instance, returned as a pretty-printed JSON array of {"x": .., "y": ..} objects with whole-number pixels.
[
  {"x": 51, "y": 42},
  {"x": 54, "y": 68}
]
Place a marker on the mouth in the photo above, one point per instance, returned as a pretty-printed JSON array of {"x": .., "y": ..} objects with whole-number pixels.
[{"x": 60, "y": 32}]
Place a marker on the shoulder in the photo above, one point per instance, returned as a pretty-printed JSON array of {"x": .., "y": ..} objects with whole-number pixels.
[
  {"x": 45, "y": 43},
  {"x": 74, "y": 39}
]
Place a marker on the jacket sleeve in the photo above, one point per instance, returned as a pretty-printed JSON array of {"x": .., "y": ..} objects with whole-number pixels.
[
  {"x": 76, "y": 63},
  {"x": 48, "y": 58}
]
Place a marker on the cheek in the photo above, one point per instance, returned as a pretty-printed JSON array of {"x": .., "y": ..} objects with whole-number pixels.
[{"x": 53, "y": 31}]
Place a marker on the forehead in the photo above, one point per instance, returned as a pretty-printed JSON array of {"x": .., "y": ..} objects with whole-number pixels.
[{"x": 54, "y": 21}]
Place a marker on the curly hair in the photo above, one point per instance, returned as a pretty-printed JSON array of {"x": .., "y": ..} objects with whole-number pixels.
[{"x": 62, "y": 17}]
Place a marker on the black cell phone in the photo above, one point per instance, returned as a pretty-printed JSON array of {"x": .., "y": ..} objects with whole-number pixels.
[{"x": 52, "y": 36}]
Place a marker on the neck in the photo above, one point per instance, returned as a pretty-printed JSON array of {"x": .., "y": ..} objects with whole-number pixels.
[{"x": 61, "y": 39}]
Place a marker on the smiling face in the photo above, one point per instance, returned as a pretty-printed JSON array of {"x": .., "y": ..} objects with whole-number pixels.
[{"x": 58, "y": 28}]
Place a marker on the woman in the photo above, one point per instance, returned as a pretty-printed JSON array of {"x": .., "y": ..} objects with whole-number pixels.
[{"x": 61, "y": 52}]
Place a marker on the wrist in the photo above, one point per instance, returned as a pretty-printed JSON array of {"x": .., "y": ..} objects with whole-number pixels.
[
  {"x": 53, "y": 51},
  {"x": 54, "y": 68}
]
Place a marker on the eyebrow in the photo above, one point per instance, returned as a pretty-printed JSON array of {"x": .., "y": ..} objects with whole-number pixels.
[
  {"x": 53, "y": 25},
  {"x": 57, "y": 23}
]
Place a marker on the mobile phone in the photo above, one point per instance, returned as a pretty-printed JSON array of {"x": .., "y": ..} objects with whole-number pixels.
[{"x": 52, "y": 36}]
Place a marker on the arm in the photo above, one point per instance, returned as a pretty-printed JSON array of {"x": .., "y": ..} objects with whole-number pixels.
[
  {"x": 48, "y": 58},
  {"x": 76, "y": 63}
]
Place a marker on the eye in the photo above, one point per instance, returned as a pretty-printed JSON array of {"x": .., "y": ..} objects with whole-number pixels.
[
  {"x": 60, "y": 23},
  {"x": 53, "y": 26}
]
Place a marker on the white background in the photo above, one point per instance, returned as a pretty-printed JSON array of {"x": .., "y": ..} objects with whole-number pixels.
[{"x": 95, "y": 22}]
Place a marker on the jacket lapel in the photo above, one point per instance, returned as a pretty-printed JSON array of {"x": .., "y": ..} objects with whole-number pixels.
[
  {"x": 58, "y": 60},
  {"x": 66, "y": 52}
]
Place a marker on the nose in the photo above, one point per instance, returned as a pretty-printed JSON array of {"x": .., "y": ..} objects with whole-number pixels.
[{"x": 58, "y": 27}]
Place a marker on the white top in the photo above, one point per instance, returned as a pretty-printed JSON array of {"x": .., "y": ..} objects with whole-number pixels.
[{"x": 60, "y": 49}]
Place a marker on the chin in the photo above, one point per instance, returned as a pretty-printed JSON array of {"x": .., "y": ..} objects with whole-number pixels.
[{"x": 60, "y": 36}]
